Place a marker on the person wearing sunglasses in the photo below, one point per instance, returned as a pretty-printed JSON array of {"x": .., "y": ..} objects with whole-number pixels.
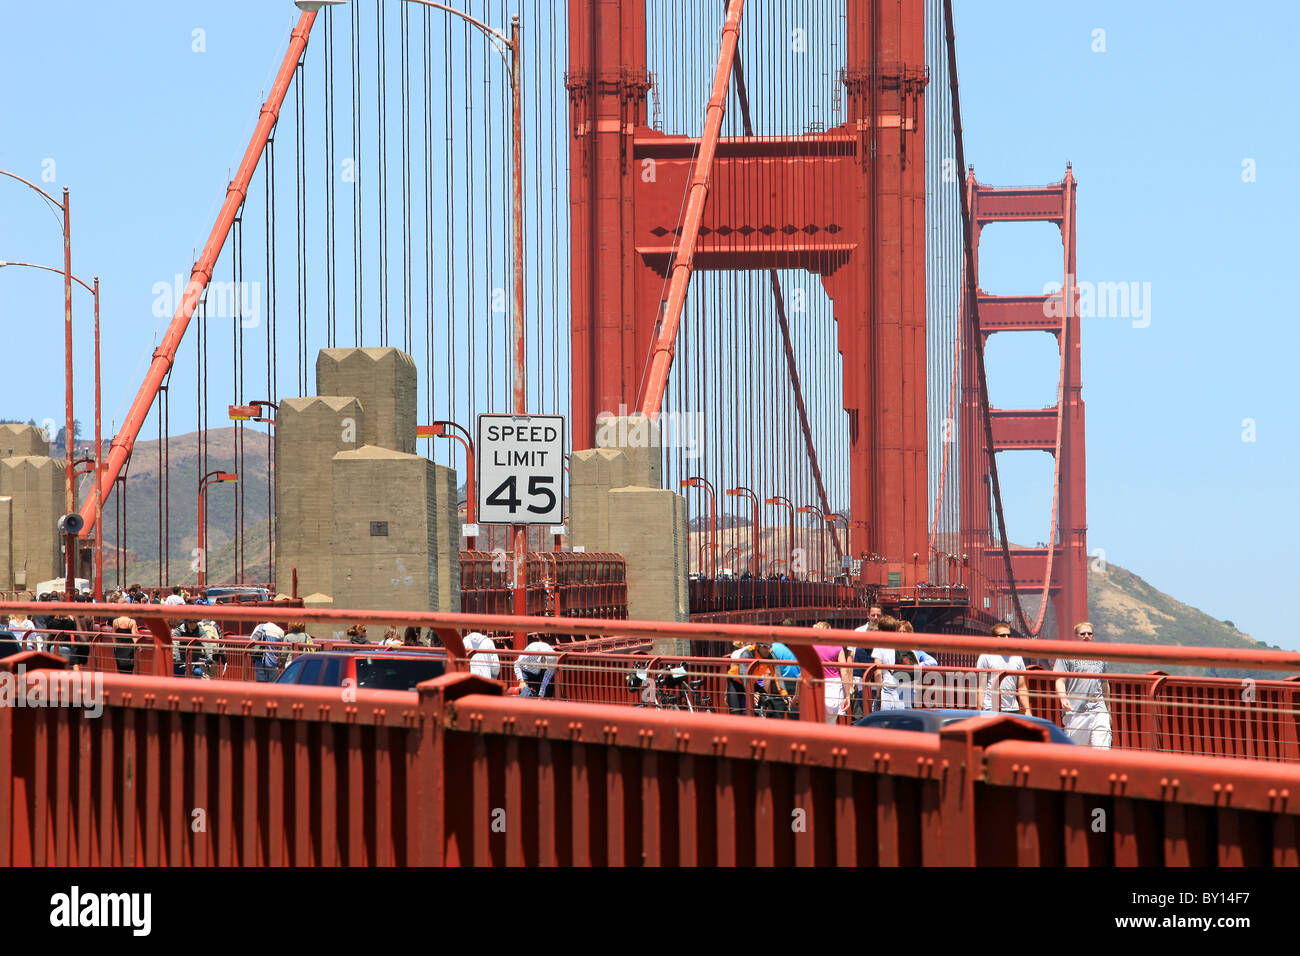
[{"x": 1084, "y": 713}]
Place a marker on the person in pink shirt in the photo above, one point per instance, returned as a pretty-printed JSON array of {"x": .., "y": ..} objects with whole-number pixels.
[{"x": 838, "y": 672}]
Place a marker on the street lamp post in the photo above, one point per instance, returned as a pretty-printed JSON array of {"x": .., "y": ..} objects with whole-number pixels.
[
  {"x": 99, "y": 503},
  {"x": 740, "y": 491},
  {"x": 255, "y": 411},
  {"x": 511, "y": 50},
  {"x": 784, "y": 502},
  {"x": 449, "y": 429},
  {"x": 252, "y": 412},
  {"x": 211, "y": 478},
  {"x": 69, "y": 496},
  {"x": 831, "y": 519},
  {"x": 695, "y": 481},
  {"x": 821, "y": 536}
]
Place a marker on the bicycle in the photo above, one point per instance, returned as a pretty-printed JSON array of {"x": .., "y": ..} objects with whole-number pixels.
[
  {"x": 670, "y": 689},
  {"x": 678, "y": 691}
]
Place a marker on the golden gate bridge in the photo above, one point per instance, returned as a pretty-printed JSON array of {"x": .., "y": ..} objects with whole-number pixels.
[{"x": 734, "y": 248}]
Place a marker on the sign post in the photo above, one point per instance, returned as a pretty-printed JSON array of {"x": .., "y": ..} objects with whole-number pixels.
[{"x": 520, "y": 465}]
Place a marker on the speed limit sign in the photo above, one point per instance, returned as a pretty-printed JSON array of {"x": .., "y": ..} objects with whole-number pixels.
[{"x": 520, "y": 469}]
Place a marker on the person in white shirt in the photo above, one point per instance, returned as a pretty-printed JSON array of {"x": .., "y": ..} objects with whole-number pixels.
[
  {"x": 1084, "y": 714},
  {"x": 886, "y": 679},
  {"x": 176, "y": 597},
  {"x": 24, "y": 629},
  {"x": 1013, "y": 691},
  {"x": 267, "y": 663},
  {"x": 535, "y": 670},
  {"x": 483, "y": 659}
]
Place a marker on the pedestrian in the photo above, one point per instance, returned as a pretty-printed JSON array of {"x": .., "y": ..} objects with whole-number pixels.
[
  {"x": 736, "y": 677},
  {"x": 87, "y": 627},
  {"x": 176, "y": 597},
  {"x": 535, "y": 670},
  {"x": 1084, "y": 713},
  {"x": 357, "y": 634},
  {"x": 483, "y": 658},
  {"x": 184, "y": 645},
  {"x": 837, "y": 675},
  {"x": 126, "y": 635},
  {"x": 861, "y": 661},
  {"x": 411, "y": 636},
  {"x": 296, "y": 633},
  {"x": 266, "y": 663},
  {"x": 62, "y": 630},
  {"x": 923, "y": 658},
  {"x": 43, "y": 620},
  {"x": 10, "y": 643},
  {"x": 391, "y": 638},
  {"x": 769, "y": 694},
  {"x": 885, "y": 683},
  {"x": 789, "y": 672},
  {"x": 1013, "y": 696},
  {"x": 214, "y": 652},
  {"x": 24, "y": 629}
]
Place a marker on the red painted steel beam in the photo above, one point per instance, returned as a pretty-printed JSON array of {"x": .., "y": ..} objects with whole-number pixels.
[
  {"x": 661, "y": 356},
  {"x": 1021, "y": 204},
  {"x": 1183, "y": 778},
  {"x": 1020, "y": 313},
  {"x": 1024, "y": 429},
  {"x": 671, "y": 147},
  {"x": 1258, "y": 659},
  {"x": 165, "y": 354},
  {"x": 1029, "y": 567}
]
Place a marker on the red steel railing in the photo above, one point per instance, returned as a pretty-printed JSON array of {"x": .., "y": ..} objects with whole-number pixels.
[{"x": 459, "y": 773}]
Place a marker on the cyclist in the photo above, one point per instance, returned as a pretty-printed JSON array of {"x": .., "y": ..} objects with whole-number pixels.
[{"x": 770, "y": 697}]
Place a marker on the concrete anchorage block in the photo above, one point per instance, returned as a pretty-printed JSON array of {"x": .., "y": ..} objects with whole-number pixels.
[
  {"x": 392, "y": 547},
  {"x": 638, "y": 437},
  {"x": 23, "y": 441},
  {"x": 6, "y": 544},
  {"x": 36, "y": 485},
  {"x": 385, "y": 381},
  {"x": 593, "y": 474},
  {"x": 323, "y": 630},
  {"x": 648, "y": 527},
  {"x": 309, "y": 432}
]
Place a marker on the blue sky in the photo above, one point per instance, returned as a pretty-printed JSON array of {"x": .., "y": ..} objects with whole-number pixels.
[{"x": 146, "y": 130}]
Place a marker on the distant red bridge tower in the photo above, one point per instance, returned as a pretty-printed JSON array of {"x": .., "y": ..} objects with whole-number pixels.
[{"x": 1062, "y": 566}]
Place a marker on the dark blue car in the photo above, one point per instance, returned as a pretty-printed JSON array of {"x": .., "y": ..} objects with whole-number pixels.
[{"x": 932, "y": 721}]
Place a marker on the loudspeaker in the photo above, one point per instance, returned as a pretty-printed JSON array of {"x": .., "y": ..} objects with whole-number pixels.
[{"x": 72, "y": 524}]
